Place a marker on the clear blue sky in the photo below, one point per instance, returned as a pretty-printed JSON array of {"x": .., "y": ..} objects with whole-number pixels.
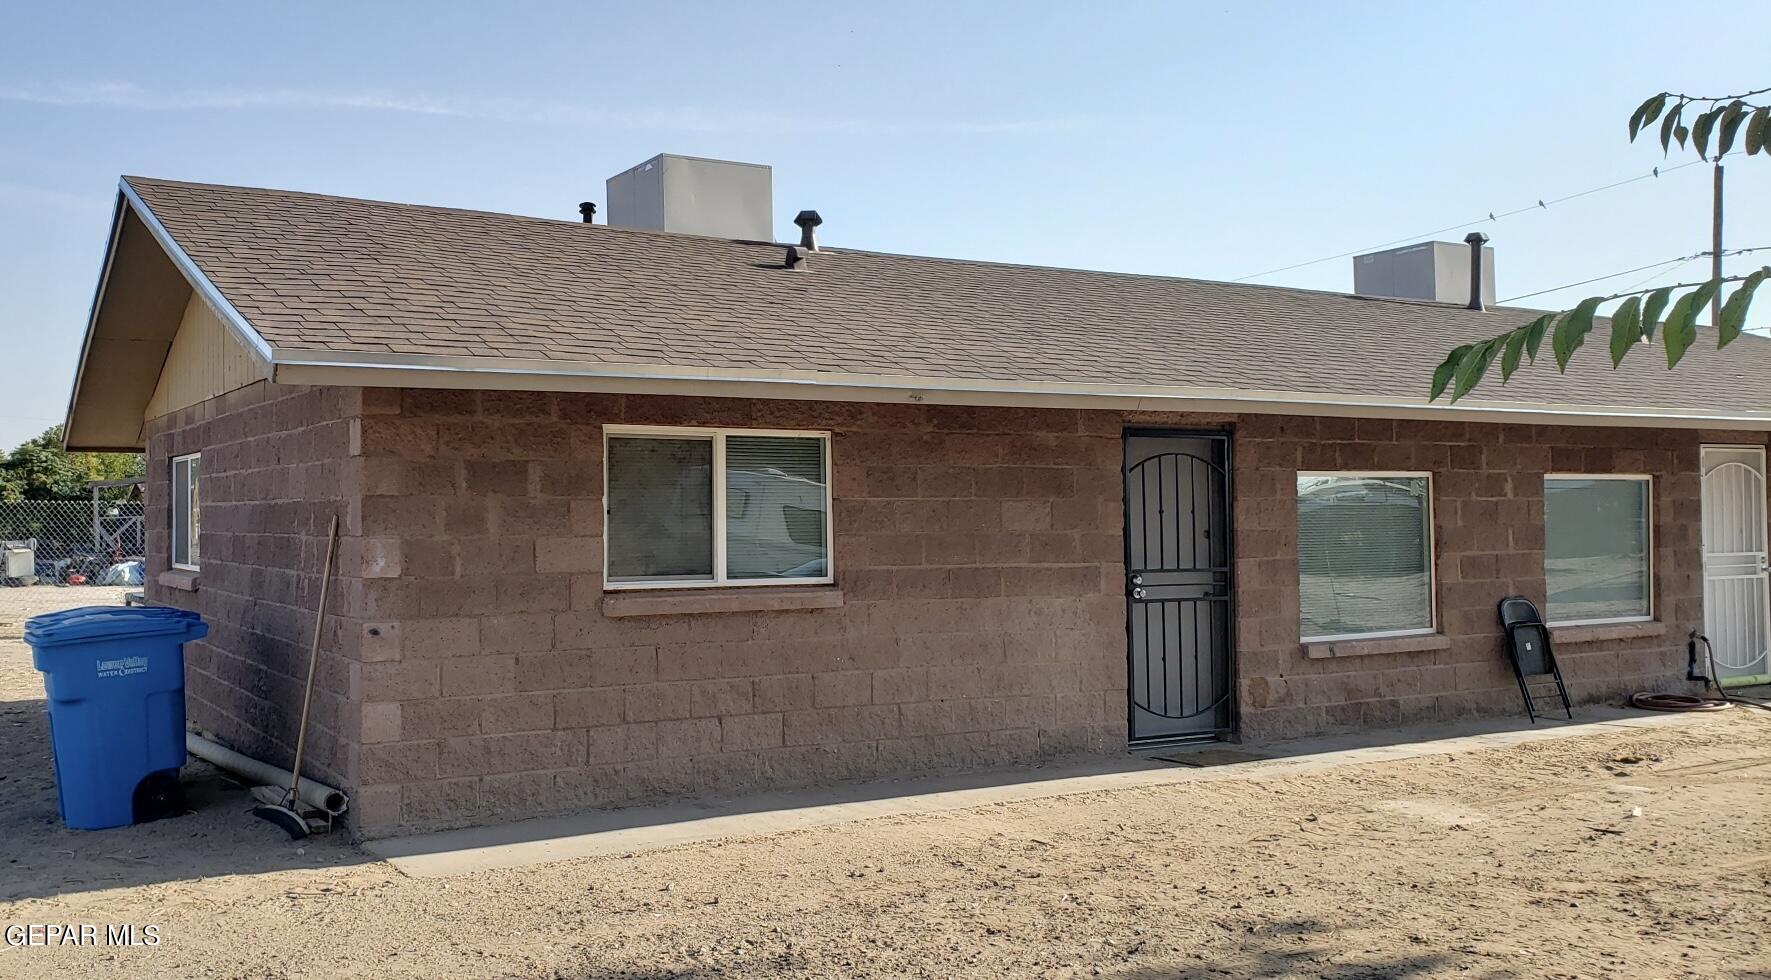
[{"x": 1167, "y": 138}]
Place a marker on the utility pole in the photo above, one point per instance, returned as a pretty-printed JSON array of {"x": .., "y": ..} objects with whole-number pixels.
[{"x": 1716, "y": 248}]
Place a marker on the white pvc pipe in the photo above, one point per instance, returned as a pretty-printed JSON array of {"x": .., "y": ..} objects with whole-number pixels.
[{"x": 314, "y": 794}]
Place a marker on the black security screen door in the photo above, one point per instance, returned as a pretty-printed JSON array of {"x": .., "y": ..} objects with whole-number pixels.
[{"x": 1177, "y": 585}]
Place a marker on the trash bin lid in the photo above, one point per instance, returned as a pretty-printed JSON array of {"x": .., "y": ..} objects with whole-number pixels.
[{"x": 106, "y": 622}]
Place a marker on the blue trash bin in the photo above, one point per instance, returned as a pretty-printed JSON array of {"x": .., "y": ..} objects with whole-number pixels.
[{"x": 114, "y": 676}]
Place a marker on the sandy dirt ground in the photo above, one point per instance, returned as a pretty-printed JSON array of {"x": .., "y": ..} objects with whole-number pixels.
[
  {"x": 1515, "y": 862},
  {"x": 20, "y": 602}
]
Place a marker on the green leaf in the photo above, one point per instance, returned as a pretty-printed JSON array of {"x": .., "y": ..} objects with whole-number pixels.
[
  {"x": 1509, "y": 360},
  {"x": 1704, "y": 294},
  {"x": 1572, "y": 330},
  {"x": 1700, "y": 131},
  {"x": 1646, "y": 113},
  {"x": 1680, "y": 329},
  {"x": 1626, "y": 328},
  {"x": 1534, "y": 332},
  {"x": 1755, "y": 131},
  {"x": 1731, "y": 121},
  {"x": 1651, "y": 308},
  {"x": 1669, "y": 123},
  {"x": 1474, "y": 365},
  {"x": 1442, "y": 374},
  {"x": 1680, "y": 133},
  {"x": 1734, "y": 310}
]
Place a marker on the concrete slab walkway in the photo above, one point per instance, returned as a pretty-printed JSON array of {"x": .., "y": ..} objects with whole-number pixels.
[{"x": 637, "y": 829}]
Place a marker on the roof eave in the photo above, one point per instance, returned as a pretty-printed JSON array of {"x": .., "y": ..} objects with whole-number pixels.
[
  {"x": 128, "y": 201},
  {"x": 493, "y": 373},
  {"x": 242, "y": 328},
  {"x": 98, "y": 296}
]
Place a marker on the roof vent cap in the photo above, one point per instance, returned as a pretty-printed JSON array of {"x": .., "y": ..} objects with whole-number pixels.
[
  {"x": 808, "y": 222},
  {"x": 1476, "y": 241}
]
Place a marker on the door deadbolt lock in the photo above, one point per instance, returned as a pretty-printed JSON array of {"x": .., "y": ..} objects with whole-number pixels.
[{"x": 1137, "y": 580}]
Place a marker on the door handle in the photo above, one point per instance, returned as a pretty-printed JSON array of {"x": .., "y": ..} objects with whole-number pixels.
[{"x": 1137, "y": 593}]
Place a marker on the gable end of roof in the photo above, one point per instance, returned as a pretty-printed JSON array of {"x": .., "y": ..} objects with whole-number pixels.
[{"x": 128, "y": 336}]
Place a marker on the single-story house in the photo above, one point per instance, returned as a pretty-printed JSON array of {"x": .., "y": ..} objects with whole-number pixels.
[{"x": 636, "y": 512}]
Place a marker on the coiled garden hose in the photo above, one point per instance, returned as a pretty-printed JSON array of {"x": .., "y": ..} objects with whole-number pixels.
[{"x": 1651, "y": 701}]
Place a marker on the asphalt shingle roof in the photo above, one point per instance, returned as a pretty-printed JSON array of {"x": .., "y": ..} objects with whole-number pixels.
[{"x": 319, "y": 273}]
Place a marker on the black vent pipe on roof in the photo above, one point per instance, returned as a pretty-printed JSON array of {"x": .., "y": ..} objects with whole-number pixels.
[
  {"x": 808, "y": 222},
  {"x": 588, "y": 210},
  {"x": 1476, "y": 240}
]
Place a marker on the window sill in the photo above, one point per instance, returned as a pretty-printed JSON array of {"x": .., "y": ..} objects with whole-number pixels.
[
  {"x": 182, "y": 579},
  {"x": 688, "y": 601},
  {"x": 1376, "y": 646},
  {"x": 1607, "y": 632}
]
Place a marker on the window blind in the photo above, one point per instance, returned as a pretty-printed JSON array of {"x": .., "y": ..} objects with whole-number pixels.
[
  {"x": 660, "y": 500},
  {"x": 776, "y": 520},
  {"x": 1363, "y": 556},
  {"x": 1595, "y": 562}
]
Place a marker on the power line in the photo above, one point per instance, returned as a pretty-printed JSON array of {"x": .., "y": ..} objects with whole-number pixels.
[
  {"x": 1674, "y": 271},
  {"x": 1681, "y": 261},
  {"x": 1540, "y": 204}
]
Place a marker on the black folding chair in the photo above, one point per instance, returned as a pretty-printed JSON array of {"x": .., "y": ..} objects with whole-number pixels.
[{"x": 1528, "y": 647}]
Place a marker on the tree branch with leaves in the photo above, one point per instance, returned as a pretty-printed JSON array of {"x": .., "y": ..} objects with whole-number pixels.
[{"x": 1722, "y": 119}]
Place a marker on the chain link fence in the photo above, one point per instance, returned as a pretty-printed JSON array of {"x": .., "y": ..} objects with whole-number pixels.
[{"x": 60, "y": 553}]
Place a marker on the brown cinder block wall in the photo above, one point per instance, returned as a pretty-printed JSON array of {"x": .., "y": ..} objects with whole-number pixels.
[
  {"x": 471, "y": 674},
  {"x": 274, "y": 469},
  {"x": 1489, "y": 541},
  {"x": 982, "y": 623}
]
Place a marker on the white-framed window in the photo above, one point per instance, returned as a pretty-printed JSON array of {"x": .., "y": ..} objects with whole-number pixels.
[
  {"x": 694, "y": 507},
  {"x": 1365, "y": 555},
  {"x": 187, "y": 514},
  {"x": 1598, "y": 557}
]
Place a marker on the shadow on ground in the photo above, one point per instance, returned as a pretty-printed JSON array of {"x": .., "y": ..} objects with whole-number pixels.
[
  {"x": 40, "y": 858},
  {"x": 674, "y": 821},
  {"x": 1411, "y": 734},
  {"x": 641, "y": 827},
  {"x": 1298, "y": 948}
]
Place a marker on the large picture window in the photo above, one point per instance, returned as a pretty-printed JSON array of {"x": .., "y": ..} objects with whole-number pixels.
[
  {"x": 1365, "y": 554},
  {"x": 1597, "y": 544},
  {"x": 187, "y": 514},
  {"x": 695, "y": 507}
]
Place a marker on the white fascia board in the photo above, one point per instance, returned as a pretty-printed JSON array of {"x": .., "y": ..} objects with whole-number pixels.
[{"x": 489, "y": 373}]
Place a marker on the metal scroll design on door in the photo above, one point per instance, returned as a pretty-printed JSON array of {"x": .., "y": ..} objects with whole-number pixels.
[
  {"x": 1184, "y": 623},
  {"x": 1734, "y": 564}
]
